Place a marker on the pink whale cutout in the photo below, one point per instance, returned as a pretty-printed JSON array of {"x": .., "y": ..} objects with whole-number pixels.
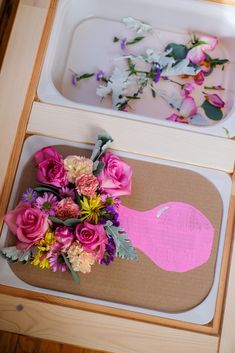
[{"x": 176, "y": 236}]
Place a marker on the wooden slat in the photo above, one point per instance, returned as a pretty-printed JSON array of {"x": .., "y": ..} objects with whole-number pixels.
[
  {"x": 16, "y": 72},
  {"x": 134, "y": 136},
  {"x": 98, "y": 331},
  {"x": 8, "y": 342}
]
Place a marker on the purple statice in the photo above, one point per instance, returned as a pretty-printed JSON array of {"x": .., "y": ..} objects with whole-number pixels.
[
  {"x": 57, "y": 263},
  {"x": 29, "y": 196},
  {"x": 157, "y": 75},
  {"x": 110, "y": 251},
  {"x": 123, "y": 43},
  {"x": 47, "y": 203},
  {"x": 99, "y": 75},
  {"x": 67, "y": 192},
  {"x": 112, "y": 214},
  {"x": 74, "y": 79}
]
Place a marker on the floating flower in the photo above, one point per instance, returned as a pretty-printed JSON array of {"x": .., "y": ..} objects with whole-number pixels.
[
  {"x": 99, "y": 75},
  {"x": 136, "y": 25},
  {"x": 50, "y": 167},
  {"x": 76, "y": 166},
  {"x": 29, "y": 195},
  {"x": 91, "y": 208},
  {"x": 215, "y": 100},
  {"x": 115, "y": 177},
  {"x": 67, "y": 208},
  {"x": 203, "y": 44},
  {"x": 123, "y": 43},
  {"x": 47, "y": 203},
  {"x": 157, "y": 75},
  {"x": 199, "y": 78},
  {"x": 187, "y": 88},
  {"x": 187, "y": 109},
  {"x": 92, "y": 238},
  {"x": 87, "y": 185}
]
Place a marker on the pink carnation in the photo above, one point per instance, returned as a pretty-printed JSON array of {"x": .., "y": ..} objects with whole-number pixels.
[
  {"x": 87, "y": 185},
  {"x": 77, "y": 166},
  {"x": 67, "y": 208}
]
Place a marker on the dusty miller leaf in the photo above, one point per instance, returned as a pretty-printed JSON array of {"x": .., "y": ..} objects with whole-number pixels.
[
  {"x": 102, "y": 143},
  {"x": 124, "y": 248},
  {"x": 13, "y": 254},
  {"x": 73, "y": 273}
]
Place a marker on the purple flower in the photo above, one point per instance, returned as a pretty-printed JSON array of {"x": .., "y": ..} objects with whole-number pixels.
[
  {"x": 57, "y": 263},
  {"x": 67, "y": 192},
  {"x": 112, "y": 215},
  {"x": 215, "y": 100},
  {"x": 29, "y": 196},
  {"x": 123, "y": 43},
  {"x": 47, "y": 203},
  {"x": 99, "y": 75},
  {"x": 74, "y": 79},
  {"x": 157, "y": 75},
  {"x": 110, "y": 250}
]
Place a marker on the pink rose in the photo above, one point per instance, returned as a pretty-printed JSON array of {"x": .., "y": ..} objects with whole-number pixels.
[
  {"x": 64, "y": 236},
  {"x": 27, "y": 223},
  {"x": 67, "y": 208},
  {"x": 92, "y": 238},
  {"x": 115, "y": 178},
  {"x": 50, "y": 167},
  {"x": 87, "y": 185}
]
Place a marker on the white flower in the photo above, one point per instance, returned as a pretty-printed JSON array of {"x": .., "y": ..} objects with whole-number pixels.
[
  {"x": 136, "y": 25},
  {"x": 158, "y": 58},
  {"x": 181, "y": 68},
  {"x": 116, "y": 85},
  {"x": 172, "y": 99}
]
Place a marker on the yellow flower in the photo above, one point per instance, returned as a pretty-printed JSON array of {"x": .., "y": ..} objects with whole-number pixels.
[
  {"x": 40, "y": 260},
  {"x": 91, "y": 208},
  {"x": 48, "y": 240}
]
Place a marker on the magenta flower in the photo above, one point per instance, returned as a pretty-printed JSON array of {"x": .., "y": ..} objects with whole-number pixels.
[
  {"x": 188, "y": 108},
  {"x": 64, "y": 236},
  {"x": 47, "y": 203},
  {"x": 92, "y": 238},
  {"x": 187, "y": 88},
  {"x": 57, "y": 263},
  {"x": 115, "y": 177},
  {"x": 87, "y": 185},
  {"x": 198, "y": 53},
  {"x": 215, "y": 100},
  {"x": 29, "y": 196},
  {"x": 199, "y": 78},
  {"x": 50, "y": 167},
  {"x": 27, "y": 223},
  {"x": 123, "y": 43},
  {"x": 67, "y": 208}
]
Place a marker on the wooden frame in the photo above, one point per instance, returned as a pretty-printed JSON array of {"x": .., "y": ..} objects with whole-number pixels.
[{"x": 27, "y": 116}]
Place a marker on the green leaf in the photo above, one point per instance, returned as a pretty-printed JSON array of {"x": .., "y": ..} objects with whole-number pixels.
[
  {"x": 47, "y": 189},
  {"x": 115, "y": 39},
  {"x": 212, "y": 112},
  {"x": 132, "y": 97},
  {"x": 153, "y": 93},
  {"x": 131, "y": 67},
  {"x": 98, "y": 166},
  {"x": 72, "y": 221},
  {"x": 179, "y": 51},
  {"x": 13, "y": 254},
  {"x": 135, "y": 40},
  {"x": 124, "y": 248},
  {"x": 56, "y": 220},
  {"x": 73, "y": 273},
  {"x": 84, "y": 76}
]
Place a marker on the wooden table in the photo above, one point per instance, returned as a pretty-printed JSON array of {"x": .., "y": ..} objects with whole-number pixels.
[{"x": 69, "y": 321}]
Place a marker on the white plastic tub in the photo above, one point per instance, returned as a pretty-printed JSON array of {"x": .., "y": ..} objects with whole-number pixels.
[
  {"x": 81, "y": 41},
  {"x": 200, "y": 314}
]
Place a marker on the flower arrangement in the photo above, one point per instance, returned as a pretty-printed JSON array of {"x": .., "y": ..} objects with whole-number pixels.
[
  {"x": 70, "y": 220},
  {"x": 177, "y": 74}
]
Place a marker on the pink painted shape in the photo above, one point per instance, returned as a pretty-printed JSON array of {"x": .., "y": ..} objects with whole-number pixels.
[{"x": 175, "y": 236}]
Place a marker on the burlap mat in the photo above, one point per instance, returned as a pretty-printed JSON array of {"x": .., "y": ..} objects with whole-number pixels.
[{"x": 140, "y": 283}]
